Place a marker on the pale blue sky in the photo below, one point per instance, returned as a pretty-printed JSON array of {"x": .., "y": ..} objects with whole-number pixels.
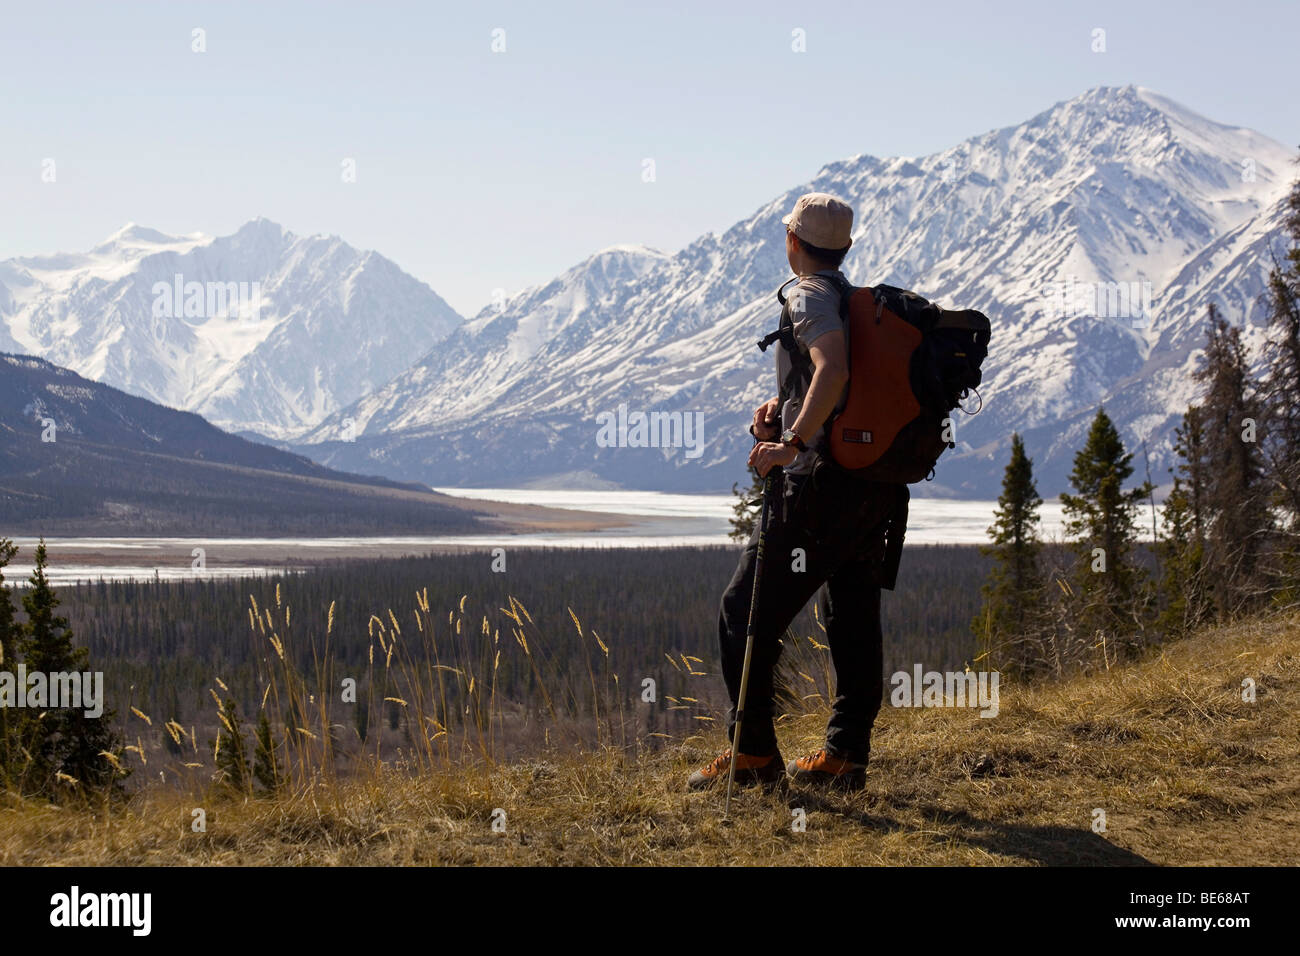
[{"x": 478, "y": 171}]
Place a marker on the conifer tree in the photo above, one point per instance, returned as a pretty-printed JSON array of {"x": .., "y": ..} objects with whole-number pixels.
[
  {"x": 1235, "y": 494},
  {"x": 1281, "y": 400},
  {"x": 265, "y": 765},
  {"x": 745, "y": 511},
  {"x": 1193, "y": 470},
  {"x": 1185, "y": 585},
  {"x": 232, "y": 749},
  {"x": 1281, "y": 391},
  {"x": 8, "y": 626},
  {"x": 63, "y": 741},
  {"x": 1013, "y": 593},
  {"x": 8, "y": 661},
  {"x": 1101, "y": 518}
]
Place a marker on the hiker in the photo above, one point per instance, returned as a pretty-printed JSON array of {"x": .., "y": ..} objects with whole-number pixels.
[{"x": 827, "y": 530}]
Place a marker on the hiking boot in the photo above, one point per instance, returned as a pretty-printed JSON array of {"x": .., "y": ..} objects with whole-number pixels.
[
  {"x": 750, "y": 770},
  {"x": 823, "y": 769}
]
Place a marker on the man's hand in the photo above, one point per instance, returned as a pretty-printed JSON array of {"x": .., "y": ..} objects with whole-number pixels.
[
  {"x": 767, "y": 453},
  {"x": 765, "y": 426}
]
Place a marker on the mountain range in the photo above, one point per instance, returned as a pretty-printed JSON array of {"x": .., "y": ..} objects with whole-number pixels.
[
  {"x": 270, "y": 332},
  {"x": 1093, "y": 235},
  {"x": 1038, "y": 225},
  {"x": 79, "y": 457}
]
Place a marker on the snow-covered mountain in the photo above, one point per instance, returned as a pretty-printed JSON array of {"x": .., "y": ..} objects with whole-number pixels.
[
  {"x": 261, "y": 330},
  {"x": 503, "y": 352},
  {"x": 1093, "y": 235}
]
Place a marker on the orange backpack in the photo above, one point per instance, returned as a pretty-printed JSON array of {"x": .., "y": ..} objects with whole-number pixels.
[{"x": 910, "y": 364}]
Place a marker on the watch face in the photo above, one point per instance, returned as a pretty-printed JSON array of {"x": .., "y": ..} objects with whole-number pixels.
[{"x": 787, "y": 436}]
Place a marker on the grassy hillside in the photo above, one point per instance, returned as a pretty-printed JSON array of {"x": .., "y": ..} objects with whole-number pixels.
[{"x": 1185, "y": 770}]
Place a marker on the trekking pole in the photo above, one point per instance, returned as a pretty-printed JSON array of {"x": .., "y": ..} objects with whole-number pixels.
[{"x": 749, "y": 636}]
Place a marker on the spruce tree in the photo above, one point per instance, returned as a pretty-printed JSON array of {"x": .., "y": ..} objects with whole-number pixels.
[
  {"x": 1281, "y": 390},
  {"x": 1013, "y": 593},
  {"x": 1101, "y": 518},
  {"x": 231, "y": 748},
  {"x": 8, "y": 626},
  {"x": 1186, "y": 601},
  {"x": 266, "y": 767},
  {"x": 745, "y": 511},
  {"x": 1281, "y": 399},
  {"x": 1185, "y": 585},
  {"x": 1193, "y": 470},
  {"x": 9, "y": 751},
  {"x": 62, "y": 742},
  {"x": 1235, "y": 493}
]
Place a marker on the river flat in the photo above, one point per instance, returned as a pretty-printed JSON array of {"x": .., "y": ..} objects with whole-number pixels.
[{"x": 648, "y": 519}]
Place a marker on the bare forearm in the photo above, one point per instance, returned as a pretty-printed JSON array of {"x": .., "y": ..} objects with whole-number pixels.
[{"x": 823, "y": 392}]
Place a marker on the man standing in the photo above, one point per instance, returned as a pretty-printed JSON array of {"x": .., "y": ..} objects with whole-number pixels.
[{"x": 827, "y": 531}]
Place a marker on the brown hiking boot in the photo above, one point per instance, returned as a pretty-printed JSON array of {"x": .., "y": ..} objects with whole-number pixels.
[
  {"x": 826, "y": 770},
  {"x": 750, "y": 770}
]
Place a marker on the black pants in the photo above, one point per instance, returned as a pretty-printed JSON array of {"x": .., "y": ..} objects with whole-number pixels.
[{"x": 840, "y": 524}]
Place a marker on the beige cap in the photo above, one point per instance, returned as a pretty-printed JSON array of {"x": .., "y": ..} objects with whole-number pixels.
[{"x": 821, "y": 220}]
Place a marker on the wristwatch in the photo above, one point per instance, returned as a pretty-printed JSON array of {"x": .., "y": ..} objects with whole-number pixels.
[{"x": 788, "y": 437}]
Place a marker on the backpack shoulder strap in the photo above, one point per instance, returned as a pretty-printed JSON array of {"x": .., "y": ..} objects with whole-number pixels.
[
  {"x": 785, "y": 333},
  {"x": 846, "y": 290},
  {"x": 799, "y": 362}
]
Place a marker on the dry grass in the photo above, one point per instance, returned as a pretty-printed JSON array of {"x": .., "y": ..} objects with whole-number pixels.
[{"x": 1186, "y": 771}]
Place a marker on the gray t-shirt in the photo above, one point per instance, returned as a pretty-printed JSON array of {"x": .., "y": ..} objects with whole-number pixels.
[{"x": 814, "y": 310}]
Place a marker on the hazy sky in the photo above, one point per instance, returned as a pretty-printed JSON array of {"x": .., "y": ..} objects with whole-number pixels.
[{"x": 478, "y": 170}]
